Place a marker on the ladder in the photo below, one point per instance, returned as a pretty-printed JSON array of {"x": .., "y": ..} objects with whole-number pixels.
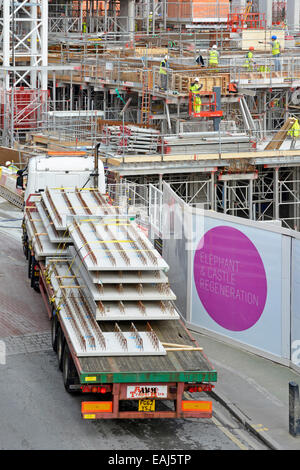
[
  {"x": 247, "y": 10},
  {"x": 146, "y": 99},
  {"x": 281, "y": 135}
]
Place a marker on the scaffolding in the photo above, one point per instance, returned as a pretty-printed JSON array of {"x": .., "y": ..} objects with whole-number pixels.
[{"x": 96, "y": 81}]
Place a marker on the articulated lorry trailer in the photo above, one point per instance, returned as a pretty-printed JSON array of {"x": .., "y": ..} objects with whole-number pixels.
[{"x": 119, "y": 339}]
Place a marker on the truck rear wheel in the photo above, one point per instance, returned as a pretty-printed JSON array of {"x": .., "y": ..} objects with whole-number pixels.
[
  {"x": 69, "y": 371},
  {"x": 34, "y": 281},
  {"x": 25, "y": 247},
  {"x": 29, "y": 264},
  {"x": 54, "y": 333},
  {"x": 60, "y": 347},
  {"x": 34, "y": 275}
]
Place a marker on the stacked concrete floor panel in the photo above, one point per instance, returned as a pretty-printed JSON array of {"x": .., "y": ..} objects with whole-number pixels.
[{"x": 101, "y": 267}]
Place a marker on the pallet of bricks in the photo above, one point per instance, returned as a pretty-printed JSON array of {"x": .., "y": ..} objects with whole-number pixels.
[{"x": 181, "y": 81}]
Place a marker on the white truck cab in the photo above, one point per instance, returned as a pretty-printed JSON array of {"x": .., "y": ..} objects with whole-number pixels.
[{"x": 67, "y": 171}]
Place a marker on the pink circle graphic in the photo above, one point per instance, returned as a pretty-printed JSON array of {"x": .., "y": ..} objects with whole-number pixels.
[{"x": 230, "y": 278}]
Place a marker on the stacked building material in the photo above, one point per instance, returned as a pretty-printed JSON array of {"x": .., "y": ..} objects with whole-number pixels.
[
  {"x": 181, "y": 81},
  {"x": 202, "y": 142},
  {"x": 101, "y": 267},
  {"x": 129, "y": 139}
]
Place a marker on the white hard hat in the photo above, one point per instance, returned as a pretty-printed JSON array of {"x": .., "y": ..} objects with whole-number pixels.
[
  {"x": 196, "y": 79},
  {"x": 7, "y": 163},
  {"x": 166, "y": 56},
  {"x": 215, "y": 46}
]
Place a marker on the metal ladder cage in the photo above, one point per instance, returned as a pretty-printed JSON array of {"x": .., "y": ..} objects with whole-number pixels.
[{"x": 210, "y": 105}]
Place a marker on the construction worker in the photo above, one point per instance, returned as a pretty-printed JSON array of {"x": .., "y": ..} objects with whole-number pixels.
[
  {"x": 84, "y": 27},
  {"x": 11, "y": 166},
  {"x": 213, "y": 60},
  {"x": 276, "y": 50},
  {"x": 150, "y": 21},
  {"x": 195, "y": 87},
  {"x": 249, "y": 59},
  {"x": 294, "y": 132},
  {"x": 20, "y": 179},
  {"x": 200, "y": 60},
  {"x": 163, "y": 73}
]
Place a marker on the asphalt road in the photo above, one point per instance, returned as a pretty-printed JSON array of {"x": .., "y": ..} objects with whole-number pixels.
[{"x": 35, "y": 410}]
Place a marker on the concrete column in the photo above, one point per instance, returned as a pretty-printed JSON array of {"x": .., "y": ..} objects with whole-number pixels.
[
  {"x": 89, "y": 101},
  {"x": 131, "y": 18},
  {"x": 265, "y": 6},
  {"x": 225, "y": 197},
  {"x": 54, "y": 91},
  {"x": 127, "y": 14},
  {"x": 238, "y": 5},
  {"x": 64, "y": 98},
  {"x": 160, "y": 181},
  {"x": 71, "y": 97},
  {"x": 212, "y": 191},
  {"x": 217, "y": 120},
  {"x": 105, "y": 103},
  {"x": 250, "y": 202},
  {"x": 293, "y": 14}
]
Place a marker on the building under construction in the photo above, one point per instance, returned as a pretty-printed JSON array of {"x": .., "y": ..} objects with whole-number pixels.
[{"x": 87, "y": 75}]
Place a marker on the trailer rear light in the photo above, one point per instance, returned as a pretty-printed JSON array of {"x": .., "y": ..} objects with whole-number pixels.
[
  {"x": 95, "y": 389},
  {"x": 200, "y": 388},
  {"x": 96, "y": 407},
  {"x": 205, "y": 406}
]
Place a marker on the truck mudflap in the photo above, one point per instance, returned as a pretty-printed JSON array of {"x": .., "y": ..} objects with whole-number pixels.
[{"x": 140, "y": 401}]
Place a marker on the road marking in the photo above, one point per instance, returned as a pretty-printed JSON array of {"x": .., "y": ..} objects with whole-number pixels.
[
  {"x": 229, "y": 434},
  {"x": 242, "y": 433},
  {"x": 224, "y": 430},
  {"x": 260, "y": 427}
]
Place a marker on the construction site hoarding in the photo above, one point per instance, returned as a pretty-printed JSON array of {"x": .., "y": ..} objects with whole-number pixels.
[
  {"x": 237, "y": 284},
  {"x": 174, "y": 246},
  {"x": 230, "y": 285},
  {"x": 295, "y": 302}
]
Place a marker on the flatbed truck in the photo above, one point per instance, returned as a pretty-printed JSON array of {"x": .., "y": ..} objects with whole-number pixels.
[{"x": 116, "y": 386}]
